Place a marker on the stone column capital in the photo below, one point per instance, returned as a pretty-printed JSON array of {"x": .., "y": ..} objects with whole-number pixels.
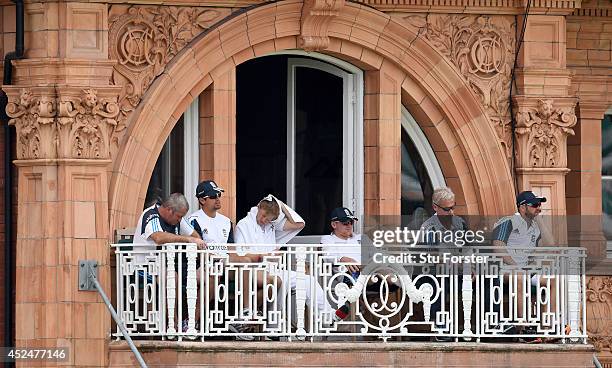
[
  {"x": 32, "y": 111},
  {"x": 86, "y": 121},
  {"x": 542, "y": 127},
  {"x": 63, "y": 121}
]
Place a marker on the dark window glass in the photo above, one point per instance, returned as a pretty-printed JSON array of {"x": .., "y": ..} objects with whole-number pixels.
[
  {"x": 416, "y": 185},
  {"x": 261, "y": 139},
  {"x": 318, "y": 147},
  {"x": 261, "y": 131},
  {"x": 606, "y": 172},
  {"x": 169, "y": 172}
]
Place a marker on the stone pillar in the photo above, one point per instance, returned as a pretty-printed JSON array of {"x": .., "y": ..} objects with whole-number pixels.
[
  {"x": 382, "y": 141},
  {"x": 545, "y": 115},
  {"x": 218, "y": 137},
  {"x": 584, "y": 181},
  {"x": 65, "y": 114}
]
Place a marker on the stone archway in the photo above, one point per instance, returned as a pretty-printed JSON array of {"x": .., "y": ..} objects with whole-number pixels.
[{"x": 397, "y": 63}]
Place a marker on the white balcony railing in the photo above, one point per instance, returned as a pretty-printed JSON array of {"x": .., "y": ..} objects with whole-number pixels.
[{"x": 155, "y": 293}]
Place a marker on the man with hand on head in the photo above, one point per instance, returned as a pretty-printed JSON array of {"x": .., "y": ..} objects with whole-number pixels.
[{"x": 264, "y": 230}]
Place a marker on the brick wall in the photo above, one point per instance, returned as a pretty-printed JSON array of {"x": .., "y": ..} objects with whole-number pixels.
[{"x": 589, "y": 43}]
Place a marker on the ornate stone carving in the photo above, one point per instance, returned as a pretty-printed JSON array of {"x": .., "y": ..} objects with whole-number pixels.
[
  {"x": 599, "y": 312},
  {"x": 63, "y": 122},
  {"x": 144, "y": 39},
  {"x": 482, "y": 49},
  {"x": 86, "y": 124},
  {"x": 316, "y": 16},
  {"x": 542, "y": 129},
  {"x": 32, "y": 113}
]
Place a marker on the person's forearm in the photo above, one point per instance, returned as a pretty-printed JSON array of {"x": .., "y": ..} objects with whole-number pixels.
[
  {"x": 507, "y": 259},
  {"x": 287, "y": 214},
  {"x": 233, "y": 257},
  {"x": 164, "y": 238}
]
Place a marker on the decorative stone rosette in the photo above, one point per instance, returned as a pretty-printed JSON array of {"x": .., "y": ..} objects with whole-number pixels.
[
  {"x": 145, "y": 38},
  {"x": 63, "y": 122},
  {"x": 542, "y": 127}
]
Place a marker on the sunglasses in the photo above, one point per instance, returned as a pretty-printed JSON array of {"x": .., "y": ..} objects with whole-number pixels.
[
  {"x": 214, "y": 196},
  {"x": 447, "y": 209},
  {"x": 346, "y": 222},
  {"x": 532, "y": 205}
]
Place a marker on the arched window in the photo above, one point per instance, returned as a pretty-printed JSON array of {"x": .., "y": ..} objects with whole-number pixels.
[
  {"x": 176, "y": 170},
  {"x": 421, "y": 173}
]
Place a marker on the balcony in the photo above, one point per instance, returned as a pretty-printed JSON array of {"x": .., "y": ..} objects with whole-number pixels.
[{"x": 472, "y": 310}]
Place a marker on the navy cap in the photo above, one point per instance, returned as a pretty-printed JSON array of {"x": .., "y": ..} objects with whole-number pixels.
[
  {"x": 342, "y": 214},
  {"x": 527, "y": 197},
  {"x": 208, "y": 188}
]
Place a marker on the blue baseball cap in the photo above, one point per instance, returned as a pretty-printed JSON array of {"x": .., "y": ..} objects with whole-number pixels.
[
  {"x": 208, "y": 188},
  {"x": 342, "y": 214},
  {"x": 527, "y": 197}
]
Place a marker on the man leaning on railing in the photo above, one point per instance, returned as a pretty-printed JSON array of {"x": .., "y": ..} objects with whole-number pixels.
[
  {"x": 522, "y": 230},
  {"x": 164, "y": 224}
]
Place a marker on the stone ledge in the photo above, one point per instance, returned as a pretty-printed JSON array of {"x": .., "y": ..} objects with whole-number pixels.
[{"x": 352, "y": 354}]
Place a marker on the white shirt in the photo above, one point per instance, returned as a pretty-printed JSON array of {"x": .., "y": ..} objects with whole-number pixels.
[
  {"x": 215, "y": 231},
  {"x": 259, "y": 239},
  {"x": 340, "y": 251},
  {"x": 516, "y": 232}
]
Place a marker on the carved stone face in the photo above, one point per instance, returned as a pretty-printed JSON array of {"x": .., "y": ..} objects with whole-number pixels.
[
  {"x": 546, "y": 108},
  {"x": 25, "y": 98},
  {"x": 90, "y": 99}
]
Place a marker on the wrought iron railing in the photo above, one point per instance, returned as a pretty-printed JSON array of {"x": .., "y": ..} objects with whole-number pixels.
[{"x": 180, "y": 292}]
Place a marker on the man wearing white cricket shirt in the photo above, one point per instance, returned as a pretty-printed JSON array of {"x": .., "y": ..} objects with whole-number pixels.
[
  {"x": 342, "y": 221},
  {"x": 216, "y": 230},
  {"x": 263, "y": 232}
]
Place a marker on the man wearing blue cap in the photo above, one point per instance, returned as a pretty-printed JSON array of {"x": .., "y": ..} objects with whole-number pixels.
[
  {"x": 342, "y": 221},
  {"x": 216, "y": 230},
  {"x": 521, "y": 230}
]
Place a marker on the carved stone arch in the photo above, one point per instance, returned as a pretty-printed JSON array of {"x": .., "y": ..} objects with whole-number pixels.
[{"x": 432, "y": 90}]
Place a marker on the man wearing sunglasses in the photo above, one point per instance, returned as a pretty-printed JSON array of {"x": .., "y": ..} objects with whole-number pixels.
[
  {"x": 436, "y": 227},
  {"x": 522, "y": 230},
  {"x": 216, "y": 230},
  {"x": 341, "y": 222}
]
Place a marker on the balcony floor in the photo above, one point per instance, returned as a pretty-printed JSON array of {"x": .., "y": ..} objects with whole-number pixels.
[{"x": 351, "y": 354}]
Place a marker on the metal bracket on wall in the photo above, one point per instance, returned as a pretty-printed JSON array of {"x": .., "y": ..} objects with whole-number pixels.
[
  {"x": 85, "y": 282},
  {"x": 88, "y": 281}
]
